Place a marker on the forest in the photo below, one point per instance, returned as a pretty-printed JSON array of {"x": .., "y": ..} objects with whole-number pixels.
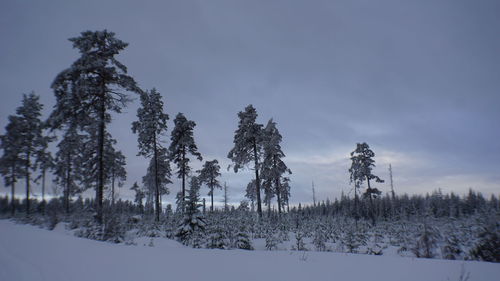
[{"x": 74, "y": 146}]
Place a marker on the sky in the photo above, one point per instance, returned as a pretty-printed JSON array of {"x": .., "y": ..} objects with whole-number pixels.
[{"x": 418, "y": 81}]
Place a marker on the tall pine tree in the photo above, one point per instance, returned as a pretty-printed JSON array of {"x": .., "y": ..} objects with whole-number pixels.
[
  {"x": 91, "y": 88},
  {"x": 248, "y": 140},
  {"x": 209, "y": 175},
  {"x": 273, "y": 167},
  {"x": 181, "y": 146},
  {"x": 31, "y": 142},
  {"x": 10, "y": 162},
  {"x": 152, "y": 125},
  {"x": 362, "y": 164}
]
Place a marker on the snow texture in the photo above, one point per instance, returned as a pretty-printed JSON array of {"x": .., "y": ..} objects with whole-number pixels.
[{"x": 30, "y": 253}]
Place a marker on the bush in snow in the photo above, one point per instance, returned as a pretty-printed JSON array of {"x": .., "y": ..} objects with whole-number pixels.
[
  {"x": 426, "y": 242},
  {"x": 488, "y": 246}
]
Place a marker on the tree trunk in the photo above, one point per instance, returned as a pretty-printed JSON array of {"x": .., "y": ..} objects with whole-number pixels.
[
  {"x": 183, "y": 169},
  {"x": 372, "y": 214},
  {"x": 13, "y": 190},
  {"x": 278, "y": 192},
  {"x": 257, "y": 180},
  {"x": 356, "y": 216},
  {"x": 100, "y": 152},
  {"x": 28, "y": 164},
  {"x": 43, "y": 192},
  {"x": 113, "y": 187},
  {"x": 68, "y": 183},
  {"x": 211, "y": 196},
  {"x": 157, "y": 184}
]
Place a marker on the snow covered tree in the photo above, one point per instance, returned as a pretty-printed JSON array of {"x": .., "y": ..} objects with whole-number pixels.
[
  {"x": 273, "y": 166},
  {"x": 68, "y": 164},
  {"x": 92, "y": 87},
  {"x": 152, "y": 125},
  {"x": 251, "y": 193},
  {"x": 426, "y": 243},
  {"x": 193, "y": 224},
  {"x": 183, "y": 144},
  {"x": 31, "y": 140},
  {"x": 208, "y": 175},
  {"x": 11, "y": 162},
  {"x": 361, "y": 170},
  {"x": 248, "y": 147}
]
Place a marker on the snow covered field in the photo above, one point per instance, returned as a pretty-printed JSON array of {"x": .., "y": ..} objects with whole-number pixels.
[{"x": 30, "y": 253}]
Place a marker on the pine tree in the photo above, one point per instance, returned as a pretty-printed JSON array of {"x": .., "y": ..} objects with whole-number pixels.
[
  {"x": 361, "y": 170},
  {"x": 183, "y": 144},
  {"x": 248, "y": 147},
  {"x": 11, "y": 162},
  {"x": 209, "y": 174},
  {"x": 152, "y": 125},
  {"x": 156, "y": 179},
  {"x": 90, "y": 89},
  {"x": 31, "y": 139},
  {"x": 46, "y": 163},
  {"x": 273, "y": 166},
  {"x": 68, "y": 164}
]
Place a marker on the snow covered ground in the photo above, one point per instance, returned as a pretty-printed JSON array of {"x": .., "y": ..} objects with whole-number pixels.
[{"x": 30, "y": 253}]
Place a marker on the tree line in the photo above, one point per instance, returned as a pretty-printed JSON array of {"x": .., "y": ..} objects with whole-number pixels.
[{"x": 92, "y": 88}]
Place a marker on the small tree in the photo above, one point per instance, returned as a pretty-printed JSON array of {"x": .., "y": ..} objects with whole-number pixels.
[
  {"x": 182, "y": 145},
  {"x": 248, "y": 147},
  {"x": 193, "y": 224},
  {"x": 209, "y": 175},
  {"x": 361, "y": 170}
]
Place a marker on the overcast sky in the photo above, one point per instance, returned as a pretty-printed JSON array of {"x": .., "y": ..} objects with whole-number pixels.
[{"x": 418, "y": 81}]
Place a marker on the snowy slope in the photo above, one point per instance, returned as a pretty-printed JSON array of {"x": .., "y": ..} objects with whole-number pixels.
[{"x": 31, "y": 253}]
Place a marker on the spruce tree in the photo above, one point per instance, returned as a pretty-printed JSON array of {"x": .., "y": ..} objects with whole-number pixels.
[
  {"x": 90, "y": 89},
  {"x": 152, "y": 125},
  {"x": 248, "y": 147},
  {"x": 11, "y": 162},
  {"x": 139, "y": 196},
  {"x": 209, "y": 175},
  {"x": 181, "y": 146}
]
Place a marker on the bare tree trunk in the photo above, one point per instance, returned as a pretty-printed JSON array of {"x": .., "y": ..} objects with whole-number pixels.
[
  {"x": 372, "y": 214},
  {"x": 13, "y": 190},
  {"x": 100, "y": 154},
  {"x": 43, "y": 192},
  {"x": 113, "y": 187},
  {"x": 212, "y": 195},
  {"x": 157, "y": 182},
  {"x": 257, "y": 180},
  {"x": 28, "y": 164},
  {"x": 183, "y": 178},
  {"x": 68, "y": 180}
]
